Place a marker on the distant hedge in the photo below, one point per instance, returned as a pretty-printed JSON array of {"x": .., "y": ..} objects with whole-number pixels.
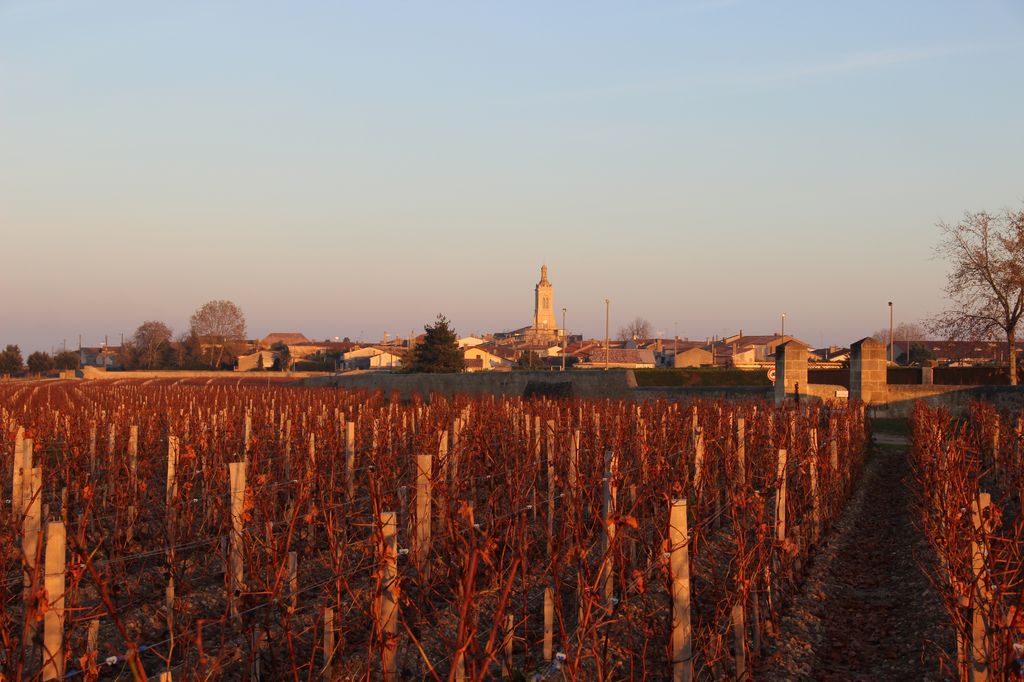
[{"x": 702, "y": 377}]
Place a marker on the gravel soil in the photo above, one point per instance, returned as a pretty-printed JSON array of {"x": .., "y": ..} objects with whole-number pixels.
[{"x": 866, "y": 610}]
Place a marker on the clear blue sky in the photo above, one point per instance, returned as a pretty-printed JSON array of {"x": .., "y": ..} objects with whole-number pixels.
[{"x": 351, "y": 168}]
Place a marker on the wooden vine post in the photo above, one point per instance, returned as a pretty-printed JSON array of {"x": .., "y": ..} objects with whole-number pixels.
[
  {"x": 53, "y": 617},
  {"x": 328, "y": 669},
  {"x": 30, "y": 541},
  {"x": 739, "y": 633},
  {"x": 981, "y": 599},
  {"x": 607, "y": 514},
  {"x": 350, "y": 458},
  {"x": 17, "y": 475},
  {"x": 92, "y": 449},
  {"x": 247, "y": 436},
  {"x": 387, "y": 620},
  {"x": 574, "y": 460},
  {"x": 780, "y": 499},
  {"x": 421, "y": 546},
  {"x": 996, "y": 460},
  {"x": 741, "y": 451},
  {"x": 549, "y": 623},
  {"x": 679, "y": 573},
  {"x": 133, "y": 456},
  {"x": 172, "y": 497},
  {"x": 507, "y": 645},
  {"x": 27, "y": 506},
  {"x": 133, "y": 480},
  {"x": 698, "y": 456},
  {"x": 172, "y": 466},
  {"x": 815, "y": 500},
  {"x": 236, "y": 475},
  {"x": 293, "y": 581},
  {"x": 551, "y": 487}
]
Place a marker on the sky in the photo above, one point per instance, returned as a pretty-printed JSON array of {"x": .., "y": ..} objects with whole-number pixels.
[{"x": 346, "y": 169}]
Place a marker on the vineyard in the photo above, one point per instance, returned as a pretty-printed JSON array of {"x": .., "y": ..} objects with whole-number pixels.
[
  {"x": 166, "y": 530},
  {"x": 970, "y": 475}
]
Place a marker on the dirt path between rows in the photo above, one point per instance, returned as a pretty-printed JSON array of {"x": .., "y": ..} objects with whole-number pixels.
[{"x": 866, "y": 610}]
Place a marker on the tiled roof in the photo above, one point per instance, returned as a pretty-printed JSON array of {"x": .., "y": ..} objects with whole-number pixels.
[
  {"x": 287, "y": 338},
  {"x": 623, "y": 356}
]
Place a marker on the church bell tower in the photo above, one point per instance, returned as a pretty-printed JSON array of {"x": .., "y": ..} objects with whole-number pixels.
[{"x": 544, "y": 306}]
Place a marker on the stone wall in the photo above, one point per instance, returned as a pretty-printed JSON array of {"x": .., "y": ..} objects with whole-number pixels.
[
  {"x": 613, "y": 383},
  {"x": 825, "y": 391},
  {"x": 868, "y": 375},
  {"x": 901, "y": 398},
  {"x": 790, "y": 370},
  {"x": 704, "y": 393},
  {"x": 100, "y": 373}
]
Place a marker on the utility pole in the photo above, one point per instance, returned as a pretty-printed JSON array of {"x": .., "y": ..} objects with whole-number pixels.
[
  {"x": 565, "y": 339},
  {"x": 890, "y": 333},
  {"x": 607, "y": 309}
]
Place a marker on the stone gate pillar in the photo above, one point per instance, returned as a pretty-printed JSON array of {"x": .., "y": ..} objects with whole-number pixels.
[
  {"x": 790, "y": 371},
  {"x": 868, "y": 380}
]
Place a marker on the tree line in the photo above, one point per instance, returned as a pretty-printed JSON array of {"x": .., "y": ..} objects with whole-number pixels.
[
  {"x": 39, "y": 362},
  {"x": 213, "y": 340}
]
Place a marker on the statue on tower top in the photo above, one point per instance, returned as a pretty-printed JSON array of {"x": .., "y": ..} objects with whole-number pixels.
[{"x": 544, "y": 275}]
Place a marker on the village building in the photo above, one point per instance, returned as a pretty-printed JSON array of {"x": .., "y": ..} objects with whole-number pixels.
[
  {"x": 834, "y": 355},
  {"x": 286, "y": 338},
  {"x": 478, "y": 359},
  {"x": 100, "y": 356},
  {"x": 371, "y": 357},
  {"x": 680, "y": 354},
  {"x": 260, "y": 360}
]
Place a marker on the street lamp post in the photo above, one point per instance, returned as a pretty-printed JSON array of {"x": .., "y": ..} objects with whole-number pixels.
[
  {"x": 565, "y": 339},
  {"x": 891, "y": 354},
  {"x": 607, "y": 309}
]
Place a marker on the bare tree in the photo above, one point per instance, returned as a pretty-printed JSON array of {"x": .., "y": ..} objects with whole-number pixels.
[
  {"x": 639, "y": 328},
  {"x": 218, "y": 323},
  {"x": 986, "y": 285},
  {"x": 152, "y": 342},
  {"x": 901, "y": 332}
]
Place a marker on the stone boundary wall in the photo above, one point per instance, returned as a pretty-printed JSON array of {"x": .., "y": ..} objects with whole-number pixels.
[
  {"x": 613, "y": 383},
  {"x": 956, "y": 399},
  {"x": 825, "y": 391},
  {"x": 100, "y": 373},
  {"x": 704, "y": 393}
]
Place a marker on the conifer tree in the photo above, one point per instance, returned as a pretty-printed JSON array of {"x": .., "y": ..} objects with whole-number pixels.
[{"x": 439, "y": 351}]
